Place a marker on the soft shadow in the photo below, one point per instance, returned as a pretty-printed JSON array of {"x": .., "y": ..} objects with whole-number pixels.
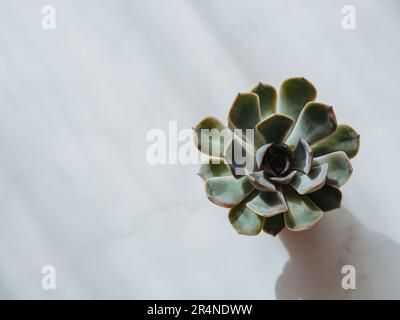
[{"x": 318, "y": 255}]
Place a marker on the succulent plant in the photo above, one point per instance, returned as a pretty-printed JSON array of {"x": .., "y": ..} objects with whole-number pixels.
[{"x": 287, "y": 171}]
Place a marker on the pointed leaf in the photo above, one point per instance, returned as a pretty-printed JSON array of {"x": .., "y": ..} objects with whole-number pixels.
[
  {"x": 261, "y": 182},
  {"x": 211, "y": 136},
  {"x": 213, "y": 168},
  {"x": 273, "y": 225},
  {"x": 245, "y": 221},
  {"x": 316, "y": 121},
  {"x": 285, "y": 179},
  {"x": 339, "y": 167},
  {"x": 260, "y": 154},
  {"x": 306, "y": 183},
  {"x": 228, "y": 191},
  {"x": 244, "y": 115},
  {"x": 268, "y": 96},
  {"x": 240, "y": 157},
  {"x": 245, "y": 111},
  {"x": 327, "y": 198},
  {"x": 302, "y": 157},
  {"x": 275, "y": 128},
  {"x": 345, "y": 138},
  {"x": 268, "y": 204},
  {"x": 294, "y": 94},
  {"x": 302, "y": 213}
]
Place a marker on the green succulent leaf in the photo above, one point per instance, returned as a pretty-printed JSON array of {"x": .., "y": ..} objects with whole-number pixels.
[
  {"x": 302, "y": 157},
  {"x": 294, "y": 94},
  {"x": 268, "y": 204},
  {"x": 273, "y": 225},
  {"x": 268, "y": 96},
  {"x": 211, "y": 136},
  {"x": 244, "y": 115},
  {"x": 245, "y": 221},
  {"x": 327, "y": 198},
  {"x": 261, "y": 153},
  {"x": 275, "y": 128},
  {"x": 302, "y": 213},
  {"x": 214, "y": 168},
  {"x": 227, "y": 191},
  {"x": 284, "y": 179},
  {"x": 339, "y": 167},
  {"x": 345, "y": 138},
  {"x": 239, "y": 157},
  {"x": 316, "y": 121},
  {"x": 314, "y": 180},
  {"x": 245, "y": 111},
  {"x": 261, "y": 182}
]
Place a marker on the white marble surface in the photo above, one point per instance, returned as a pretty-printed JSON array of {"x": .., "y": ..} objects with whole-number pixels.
[{"x": 76, "y": 191}]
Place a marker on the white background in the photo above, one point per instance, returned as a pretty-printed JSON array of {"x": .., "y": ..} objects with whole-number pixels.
[{"x": 77, "y": 192}]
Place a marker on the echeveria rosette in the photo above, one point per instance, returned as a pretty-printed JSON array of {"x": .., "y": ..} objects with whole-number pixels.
[{"x": 301, "y": 159}]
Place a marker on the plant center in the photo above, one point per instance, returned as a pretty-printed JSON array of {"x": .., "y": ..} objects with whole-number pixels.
[{"x": 277, "y": 160}]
